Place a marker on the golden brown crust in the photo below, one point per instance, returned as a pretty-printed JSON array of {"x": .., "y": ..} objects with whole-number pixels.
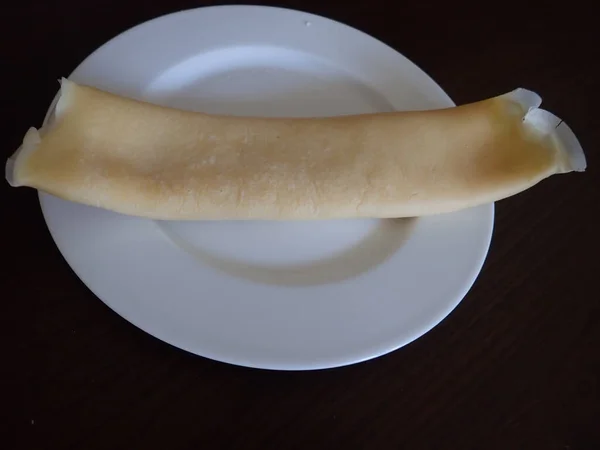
[{"x": 146, "y": 160}]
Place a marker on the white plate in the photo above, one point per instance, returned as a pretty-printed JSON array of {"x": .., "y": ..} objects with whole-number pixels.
[{"x": 271, "y": 295}]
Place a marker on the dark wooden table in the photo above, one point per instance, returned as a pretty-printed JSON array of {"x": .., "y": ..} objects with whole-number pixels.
[{"x": 515, "y": 366}]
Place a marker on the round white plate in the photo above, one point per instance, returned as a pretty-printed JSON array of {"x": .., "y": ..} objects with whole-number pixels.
[{"x": 277, "y": 295}]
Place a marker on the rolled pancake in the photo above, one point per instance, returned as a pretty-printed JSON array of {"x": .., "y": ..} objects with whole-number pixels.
[{"x": 146, "y": 160}]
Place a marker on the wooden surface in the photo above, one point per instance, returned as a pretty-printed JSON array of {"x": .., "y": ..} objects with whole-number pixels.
[{"x": 515, "y": 366}]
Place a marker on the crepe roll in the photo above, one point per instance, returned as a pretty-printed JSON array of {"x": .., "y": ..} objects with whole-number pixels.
[{"x": 141, "y": 159}]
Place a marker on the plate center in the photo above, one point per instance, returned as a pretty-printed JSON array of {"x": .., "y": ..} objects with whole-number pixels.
[
  {"x": 272, "y": 243},
  {"x": 276, "y": 82}
]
